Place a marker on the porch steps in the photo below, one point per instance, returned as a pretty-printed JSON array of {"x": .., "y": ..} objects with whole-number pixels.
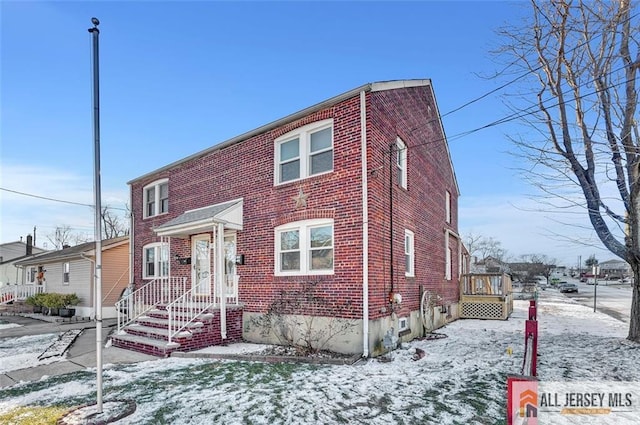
[
  {"x": 155, "y": 347},
  {"x": 149, "y": 334}
]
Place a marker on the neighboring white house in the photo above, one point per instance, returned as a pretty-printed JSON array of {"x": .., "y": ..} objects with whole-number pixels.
[
  {"x": 616, "y": 269},
  {"x": 12, "y": 252},
  {"x": 71, "y": 270}
]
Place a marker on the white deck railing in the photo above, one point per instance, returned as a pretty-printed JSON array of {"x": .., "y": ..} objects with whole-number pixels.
[
  {"x": 10, "y": 293},
  {"x": 145, "y": 298}
]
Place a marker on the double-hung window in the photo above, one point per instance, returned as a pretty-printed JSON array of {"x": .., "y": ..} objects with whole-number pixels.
[
  {"x": 409, "y": 253},
  {"x": 156, "y": 198},
  {"x": 304, "y": 152},
  {"x": 304, "y": 248},
  {"x": 155, "y": 258},
  {"x": 65, "y": 272},
  {"x": 401, "y": 163}
]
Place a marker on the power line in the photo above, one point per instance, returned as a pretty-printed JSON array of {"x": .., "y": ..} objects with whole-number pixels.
[{"x": 31, "y": 195}]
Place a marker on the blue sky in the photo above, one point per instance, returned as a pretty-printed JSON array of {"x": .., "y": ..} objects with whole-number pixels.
[{"x": 178, "y": 77}]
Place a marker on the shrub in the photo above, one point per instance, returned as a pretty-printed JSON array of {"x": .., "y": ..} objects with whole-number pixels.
[
  {"x": 70, "y": 300},
  {"x": 53, "y": 300}
]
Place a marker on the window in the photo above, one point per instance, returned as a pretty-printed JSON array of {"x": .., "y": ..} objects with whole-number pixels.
[
  {"x": 305, "y": 152},
  {"x": 304, "y": 247},
  {"x": 403, "y": 324},
  {"x": 401, "y": 163},
  {"x": 447, "y": 206},
  {"x": 155, "y": 260},
  {"x": 409, "y": 258},
  {"x": 156, "y": 198},
  {"x": 65, "y": 272},
  {"x": 447, "y": 271},
  {"x": 32, "y": 275}
]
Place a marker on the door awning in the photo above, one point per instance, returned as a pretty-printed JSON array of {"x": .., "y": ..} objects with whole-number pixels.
[{"x": 203, "y": 219}]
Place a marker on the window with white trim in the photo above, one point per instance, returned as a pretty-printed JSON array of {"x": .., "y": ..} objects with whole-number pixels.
[
  {"x": 155, "y": 260},
  {"x": 447, "y": 271},
  {"x": 409, "y": 253},
  {"x": 32, "y": 275},
  {"x": 66, "y": 266},
  {"x": 304, "y": 248},
  {"x": 304, "y": 152},
  {"x": 156, "y": 198},
  {"x": 403, "y": 324},
  {"x": 401, "y": 163},
  {"x": 447, "y": 206}
]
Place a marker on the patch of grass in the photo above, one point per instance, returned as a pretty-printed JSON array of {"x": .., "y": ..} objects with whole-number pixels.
[{"x": 32, "y": 415}]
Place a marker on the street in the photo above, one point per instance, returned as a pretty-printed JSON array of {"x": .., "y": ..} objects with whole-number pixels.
[{"x": 612, "y": 298}]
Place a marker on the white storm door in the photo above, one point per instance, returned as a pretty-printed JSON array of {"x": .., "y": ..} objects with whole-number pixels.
[{"x": 201, "y": 262}]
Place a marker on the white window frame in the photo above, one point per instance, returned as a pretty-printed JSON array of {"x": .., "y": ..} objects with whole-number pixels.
[
  {"x": 403, "y": 324},
  {"x": 303, "y": 134},
  {"x": 304, "y": 229},
  {"x": 157, "y": 208},
  {"x": 447, "y": 270},
  {"x": 157, "y": 263},
  {"x": 409, "y": 253},
  {"x": 447, "y": 206},
  {"x": 66, "y": 275},
  {"x": 31, "y": 277},
  {"x": 401, "y": 163}
]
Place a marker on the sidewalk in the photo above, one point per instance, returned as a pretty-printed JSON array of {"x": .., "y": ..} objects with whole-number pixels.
[{"x": 80, "y": 356}]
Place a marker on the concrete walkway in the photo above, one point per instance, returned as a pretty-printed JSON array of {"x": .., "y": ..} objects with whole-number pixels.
[{"x": 80, "y": 356}]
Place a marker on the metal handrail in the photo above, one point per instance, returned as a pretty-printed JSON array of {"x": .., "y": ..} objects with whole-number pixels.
[
  {"x": 159, "y": 291},
  {"x": 189, "y": 306},
  {"x": 186, "y": 309}
]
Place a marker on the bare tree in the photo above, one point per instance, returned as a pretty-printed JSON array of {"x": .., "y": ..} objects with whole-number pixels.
[
  {"x": 114, "y": 225},
  {"x": 484, "y": 247},
  {"x": 64, "y": 235},
  {"x": 583, "y": 58}
]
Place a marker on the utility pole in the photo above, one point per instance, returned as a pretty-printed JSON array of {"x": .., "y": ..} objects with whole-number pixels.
[{"x": 98, "y": 210}]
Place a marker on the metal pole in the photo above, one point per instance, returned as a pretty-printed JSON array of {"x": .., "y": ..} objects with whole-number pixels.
[
  {"x": 98, "y": 213},
  {"x": 596, "y": 270}
]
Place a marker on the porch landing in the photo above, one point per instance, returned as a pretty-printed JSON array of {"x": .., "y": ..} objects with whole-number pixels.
[{"x": 149, "y": 334}]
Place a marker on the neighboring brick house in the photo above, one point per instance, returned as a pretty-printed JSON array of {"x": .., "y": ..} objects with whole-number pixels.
[{"x": 337, "y": 218}]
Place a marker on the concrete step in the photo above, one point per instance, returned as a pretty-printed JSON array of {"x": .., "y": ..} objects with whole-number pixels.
[
  {"x": 141, "y": 344},
  {"x": 164, "y": 314},
  {"x": 155, "y": 322},
  {"x": 153, "y": 332}
]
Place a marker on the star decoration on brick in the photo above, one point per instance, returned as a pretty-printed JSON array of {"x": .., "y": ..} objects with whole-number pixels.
[{"x": 301, "y": 199}]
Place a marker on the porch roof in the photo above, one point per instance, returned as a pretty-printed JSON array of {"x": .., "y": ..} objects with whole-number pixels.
[{"x": 203, "y": 219}]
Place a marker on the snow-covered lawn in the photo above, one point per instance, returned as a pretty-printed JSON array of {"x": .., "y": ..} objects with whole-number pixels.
[{"x": 461, "y": 380}]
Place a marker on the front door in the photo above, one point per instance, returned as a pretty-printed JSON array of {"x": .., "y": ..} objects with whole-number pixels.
[{"x": 201, "y": 262}]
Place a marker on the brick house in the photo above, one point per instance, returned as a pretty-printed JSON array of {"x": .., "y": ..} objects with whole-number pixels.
[{"x": 332, "y": 227}]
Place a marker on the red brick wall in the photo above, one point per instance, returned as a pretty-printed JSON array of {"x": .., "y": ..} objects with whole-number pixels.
[
  {"x": 410, "y": 114},
  {"x": 246, "y": 170}
]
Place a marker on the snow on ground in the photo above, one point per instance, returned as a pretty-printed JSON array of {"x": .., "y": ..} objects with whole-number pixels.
[
  {"x": 5, "y": 325},
  {"x": 461, "y": 380},
  {"x": 23, "y": 352}
]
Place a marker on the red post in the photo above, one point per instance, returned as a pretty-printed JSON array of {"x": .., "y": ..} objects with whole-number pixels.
[{"x": 533, "y": 310}]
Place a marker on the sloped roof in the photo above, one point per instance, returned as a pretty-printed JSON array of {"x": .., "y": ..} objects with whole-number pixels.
[
  {"x": 12, "y": 251},
  {"x": 86, "y": 248},
  {"x": 369, "y": 87},
  {"x": 203, "y": 218}
]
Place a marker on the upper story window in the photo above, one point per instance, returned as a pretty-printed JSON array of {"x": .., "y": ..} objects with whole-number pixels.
[
  {"x": 155, "y": 257},
  {"x": 304, "y": 152},
  {"x": 409, "y": 253},
  {"x": 304, "y": 248},
  {"x": 401, "y": 163},
  {"x": 156, "y": 198},
  {"x": 65, "y": 272},
  {"x": 447, "y": 206}
]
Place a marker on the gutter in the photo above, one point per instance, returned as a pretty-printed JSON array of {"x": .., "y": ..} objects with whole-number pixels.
[{"x": 365, "y": 226}]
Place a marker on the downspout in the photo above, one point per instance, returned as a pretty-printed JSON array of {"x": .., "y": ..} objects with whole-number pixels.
[
  {"x": 365, "y": 226},
  {"x": 131, "y": 238},
  {"x": 220, "y": 275},
  {"x": 391, "y": 259}
]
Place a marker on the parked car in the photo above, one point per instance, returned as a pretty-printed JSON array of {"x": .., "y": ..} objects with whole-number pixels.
[{"x": 568, "y": 287}]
